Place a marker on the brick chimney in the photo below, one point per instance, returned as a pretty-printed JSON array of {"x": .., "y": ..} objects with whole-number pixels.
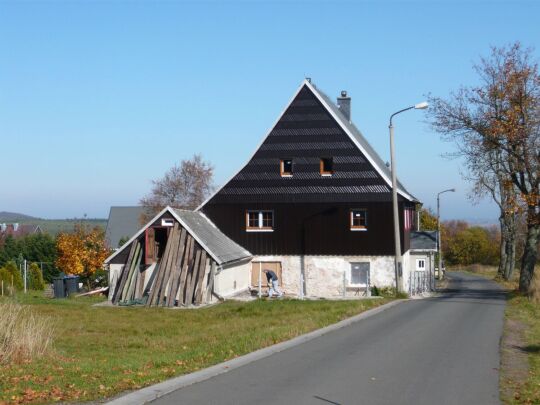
[{"x": 344, "y": 104}]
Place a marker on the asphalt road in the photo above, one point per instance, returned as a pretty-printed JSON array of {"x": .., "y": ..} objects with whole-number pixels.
[{"x": 443, "y": 350}]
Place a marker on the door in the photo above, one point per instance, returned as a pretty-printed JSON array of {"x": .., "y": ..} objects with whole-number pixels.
[{"x": 257, "y": 267}]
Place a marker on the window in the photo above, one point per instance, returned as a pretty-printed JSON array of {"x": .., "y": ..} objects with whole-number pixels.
[
  {"x": 260, "y": 221},
  {"x": 359, "y": 274},
  {"x": 358, "y": 220},
  {"x": 286, "y": 167},
  {"x": 326, "y": 167},
  {"x": 167, "y": 222},
  {"x": 420, "y": 264}
]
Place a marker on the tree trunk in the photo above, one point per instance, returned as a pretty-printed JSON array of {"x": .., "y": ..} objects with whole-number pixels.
[
  {"x": 530, "y": 250},
  {"x": 508, "y": 246},
  {"x": 503, "y": 249}
]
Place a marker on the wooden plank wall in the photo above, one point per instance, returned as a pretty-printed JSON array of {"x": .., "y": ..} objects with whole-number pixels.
[{"x": 184, "y": 276}]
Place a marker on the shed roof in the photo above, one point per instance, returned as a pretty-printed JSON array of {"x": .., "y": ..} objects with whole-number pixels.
[
  {"x": 123, "y": 222},
  {"x": 222, "y": 249},
  {"x": 424, "y": 240}
]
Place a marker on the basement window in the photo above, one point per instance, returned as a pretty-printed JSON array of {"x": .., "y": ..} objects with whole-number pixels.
[
  {"x": 286, "y": 167},
  {"x": 358, "y": 220},
  {"x": 259, "y": 221},
  {"x": 326, "y": 166},
  {"x": 359, "y": 275}
]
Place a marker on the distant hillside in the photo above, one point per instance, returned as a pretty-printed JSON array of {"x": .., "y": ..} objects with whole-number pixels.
[
  {"x": 14, "y": 217},
  {"x": 51, "y": 226}
]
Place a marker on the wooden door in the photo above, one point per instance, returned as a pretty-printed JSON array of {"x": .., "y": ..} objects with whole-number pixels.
[{"x": 258, "y": 267}]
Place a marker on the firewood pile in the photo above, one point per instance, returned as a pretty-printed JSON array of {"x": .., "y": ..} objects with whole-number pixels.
[{"x": 183, "y": 276}]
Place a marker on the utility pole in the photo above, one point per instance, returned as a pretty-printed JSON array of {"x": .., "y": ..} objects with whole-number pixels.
[{"x": 439, "y": 244}]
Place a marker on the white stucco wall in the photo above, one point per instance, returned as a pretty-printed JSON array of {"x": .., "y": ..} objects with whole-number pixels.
[
  {"x": 232, "y": 280},
  {"x": 324, "y": 274}
]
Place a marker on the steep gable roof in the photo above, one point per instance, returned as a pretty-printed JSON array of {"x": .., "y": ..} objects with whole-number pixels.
[
  {"x": 123, "y": 222},
  {"x": 311, "y": 127},
  {"x": 222, "y": 249},
  {"x": 424, "y": 240}
]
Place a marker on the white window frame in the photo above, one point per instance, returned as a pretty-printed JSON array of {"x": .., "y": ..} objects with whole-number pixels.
[
  {"x": 351, "y": 216},
  {"x": 167, "y": 222},
  {"x": 418, "y": 267},
  {"x": 260, "y": 227}
]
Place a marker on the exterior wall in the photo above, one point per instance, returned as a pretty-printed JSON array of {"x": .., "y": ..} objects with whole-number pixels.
[
  {"x": 232, "y": 280},
  {"x": 429, "y": 272},
  {"x": 324, "y": 275},
  {"x": 406, "y": 260}
]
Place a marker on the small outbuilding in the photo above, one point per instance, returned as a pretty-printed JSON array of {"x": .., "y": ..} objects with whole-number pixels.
[
  {"x": 179, "y": 258},
  {"x": 422, "y": 261}
]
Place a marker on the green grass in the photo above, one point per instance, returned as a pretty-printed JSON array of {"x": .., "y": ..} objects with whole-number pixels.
[{"x": 102, "y": 351}]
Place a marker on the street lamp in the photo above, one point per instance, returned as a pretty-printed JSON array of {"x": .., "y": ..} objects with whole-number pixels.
[
  {"x": 439, "y": 250},
  {"x": 397, "y": 241}
]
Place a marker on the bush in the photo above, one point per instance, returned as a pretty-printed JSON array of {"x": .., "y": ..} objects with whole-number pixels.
[
  {"x": 10, "y": 274},
  {"x": 35, "y": 278},
  {"x": 23, "y": 334}
]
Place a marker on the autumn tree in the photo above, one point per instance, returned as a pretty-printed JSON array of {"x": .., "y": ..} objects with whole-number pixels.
[
  {"x": 81, "y": 252},
  {"x": 183, "y": 186},
  {"x": 495, "y": 126},
  {"x": 428, "y": 220}
]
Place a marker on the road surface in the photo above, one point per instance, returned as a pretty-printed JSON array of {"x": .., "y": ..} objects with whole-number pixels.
[{"x": 442, "y": 350}]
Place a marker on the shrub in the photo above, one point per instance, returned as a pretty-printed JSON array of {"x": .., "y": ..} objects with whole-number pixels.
[
  {"x": 35, "y": 278},
  {"x": 10, "y": 274},
  {"x": 23, "y": 334}
]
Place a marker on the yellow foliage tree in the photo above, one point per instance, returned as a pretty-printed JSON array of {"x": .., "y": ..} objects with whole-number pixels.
[{"x": 81, "y": 252}]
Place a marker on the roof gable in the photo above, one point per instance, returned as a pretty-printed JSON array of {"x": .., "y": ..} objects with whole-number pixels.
[
  {"x": 311, "y": 127},
  {"x": 222, "y": 249}
]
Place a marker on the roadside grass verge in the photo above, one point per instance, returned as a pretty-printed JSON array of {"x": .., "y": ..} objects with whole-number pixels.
[
  {"x": 99, "y": 352},
  {"x": 521, "y": 339}
]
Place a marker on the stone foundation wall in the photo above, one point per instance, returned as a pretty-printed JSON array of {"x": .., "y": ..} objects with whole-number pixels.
[{"x": 324, "y": 275}]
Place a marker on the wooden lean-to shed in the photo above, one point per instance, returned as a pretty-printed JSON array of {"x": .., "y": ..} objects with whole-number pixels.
[{"x": 179, "y": 258}]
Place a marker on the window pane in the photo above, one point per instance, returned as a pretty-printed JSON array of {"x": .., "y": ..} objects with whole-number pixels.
[
  {"x": 267, "y": 219},
  {"x": 253, "y": 219},
  {"x": 359, "y": 273},
  {"x": 286, "y": 166},
  {"x": 326, "y": 165}
]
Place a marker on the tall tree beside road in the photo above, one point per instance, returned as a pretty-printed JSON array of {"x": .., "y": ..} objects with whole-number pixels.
[
  {"x": 496, "y": 127},
  {"x": 184, "y": 186}
]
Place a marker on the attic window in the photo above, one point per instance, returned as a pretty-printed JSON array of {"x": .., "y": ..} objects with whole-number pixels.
[
  {"x": 286, "y": 167},
  {"x": 167, "y": 222},
  {"x": 326, "y": 167},
  {"x": 358, "y": 220}
]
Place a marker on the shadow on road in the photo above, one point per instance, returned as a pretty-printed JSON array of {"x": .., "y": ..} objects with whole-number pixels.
[{"x": 464, "y": 286}]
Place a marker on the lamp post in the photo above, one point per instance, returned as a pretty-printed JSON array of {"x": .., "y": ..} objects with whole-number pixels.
[
  {"x": 397, "y": 241},
  {"x": 439, "y": 250}
]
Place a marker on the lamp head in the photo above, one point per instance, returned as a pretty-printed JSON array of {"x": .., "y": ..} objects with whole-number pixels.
[{"x": 421, "y": 106}]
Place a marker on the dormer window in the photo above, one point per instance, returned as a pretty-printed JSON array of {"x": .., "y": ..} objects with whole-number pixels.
[
  {"x": 326, "y": 167},
  {"x": 286, "y": 167}
]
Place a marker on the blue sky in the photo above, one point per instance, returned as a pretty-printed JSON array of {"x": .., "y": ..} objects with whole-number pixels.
[{"x": 98, "y": 98}]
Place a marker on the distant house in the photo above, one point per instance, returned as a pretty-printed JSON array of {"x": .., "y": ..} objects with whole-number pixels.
[
  {"x": 314, "y": 203},
  {"x": 17, "y": 230},
  {"x": 123, "y": 223}
]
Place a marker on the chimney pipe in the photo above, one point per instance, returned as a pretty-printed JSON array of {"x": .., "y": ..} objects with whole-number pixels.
[{"x": 344, "y": 105}]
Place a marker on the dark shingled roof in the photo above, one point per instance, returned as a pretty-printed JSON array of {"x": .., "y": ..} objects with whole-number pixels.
[
  {"x": 381, "y": 165},
  {"x": 424, "y": 240},
  {"x": 123, "y": 222},
  {"x": 218, "y": 244}
]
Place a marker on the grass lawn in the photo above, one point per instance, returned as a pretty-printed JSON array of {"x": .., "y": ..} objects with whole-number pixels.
[
  {"x": 523, "y": 326},
  {"x": 102, "y": 351}
]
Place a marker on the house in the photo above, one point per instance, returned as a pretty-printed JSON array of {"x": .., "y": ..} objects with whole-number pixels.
[
  {"x": 123, "y": 222},
  {"x": 422, "y": 261},
  {"x": 178, "y": 258},
  {"x": 17, "y": 230},
  {"x": 314, "y": 203}
]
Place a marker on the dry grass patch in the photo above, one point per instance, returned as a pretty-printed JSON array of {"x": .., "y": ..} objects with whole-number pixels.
[{"x": 24, "y": 335}]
